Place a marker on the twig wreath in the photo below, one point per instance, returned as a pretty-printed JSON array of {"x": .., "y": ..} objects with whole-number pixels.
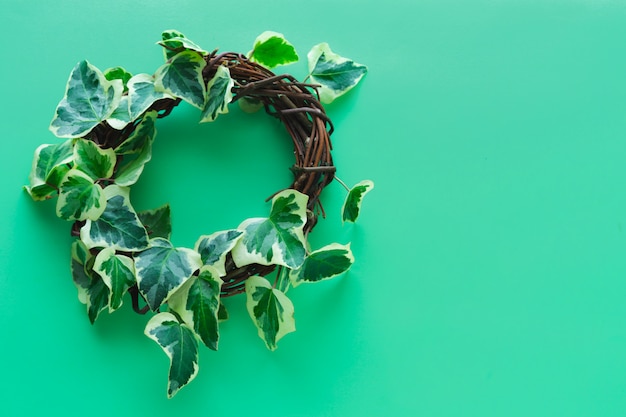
[{"x": 108, "y": 121}]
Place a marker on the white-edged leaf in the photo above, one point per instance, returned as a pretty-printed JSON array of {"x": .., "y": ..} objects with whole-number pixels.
[
  {"x": 50, "y": 164},
  {"x": 219, "y": 94},
  {"x": 94, "y": 161},
  {"x": 278, "y": 239},
  {"x": 79, "y": 197},
  {"x": 213, "y": 248},
  {"x": 174, "y": 42},
  {"x": 129, "y": 172},
  {"x": 117, "y": 272},
  {"x": 181, "y": 77},
  {"x": 162, "y": 269},
  {"x": 352, "y": 205},
  {"x": 91, "y": 288},
  {"x": 179, "y": 344},
  {"x": 118, "y": 227},
  {"x": 120, "y": 117},
  {"x": 142, "y": 94},
  {"x": 324, "y": 263},
  {"x": 145, "y": 131},
  {"x": 336, "y": 74},
  {"x": 271, "y": 311},
  {"x": 157, "y": 222},
  {"x": 197, "y": 302},
  {"x": 89, "y": 99},
  {"x": 271, "y": 49}
]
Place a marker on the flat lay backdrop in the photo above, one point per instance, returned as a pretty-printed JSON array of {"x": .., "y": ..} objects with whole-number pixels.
[{"x": 490, "y": 274}]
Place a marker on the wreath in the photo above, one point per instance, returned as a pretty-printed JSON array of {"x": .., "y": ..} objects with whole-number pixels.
[{"x": 107, "y": 119}]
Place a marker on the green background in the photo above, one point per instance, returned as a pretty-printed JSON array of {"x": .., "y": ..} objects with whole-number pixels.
[{"x": 490, "y": 276}]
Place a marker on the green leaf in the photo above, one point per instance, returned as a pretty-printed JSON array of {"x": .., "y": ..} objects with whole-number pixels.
[
  {"x": 142, "y": 94},
  {"x": 352, "y": 204},
  {"x": 219, "y": 94},
  {"x": 272, "y": 49},
  {"x": 117, "y": 273},
  {"x": 336, "y": 74},
  {"x": 271, "y": 311},
  {"x": 174, "y": 42},
  {"x": 91, "y": 288},
  {"x": 92, "y": 160},
  {"x": 214, "y": 248},
  {"x": 277, "y": 240},
  {"x": 50, "y": 164},
  {"x": 158, "y": 222},
  {"x": 129, "y": 172},
  {"x": 118, "y": 227},
  {"x": 144, "y": 132},
  {"x": 89, "y": 99},
  {"x": 162, "y": 269},
  {"x": 325, "y": 263},
  {"x": 118, "y": 73},
  {"x": 197, "y": 302},
  {"x": 179, "y": 344},
  {"x": 79, "y": 197},
  {"x": 120, "y": 117},
  {"x": 181, "y": 77}
]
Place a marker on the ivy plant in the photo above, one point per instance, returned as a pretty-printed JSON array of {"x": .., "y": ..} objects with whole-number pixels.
[{"x": 106, "y": 125}]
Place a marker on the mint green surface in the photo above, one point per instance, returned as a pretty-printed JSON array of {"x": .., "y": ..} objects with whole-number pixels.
[{"x": 490, "y": 272}]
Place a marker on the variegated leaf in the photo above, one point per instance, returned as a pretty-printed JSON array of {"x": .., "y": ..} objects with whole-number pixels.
[
  {"x": 118, "y": 227},
  {"x": 278, "y": 239},
  {"x": 336, "y": 74},
  {"x": 142, "y": 94},
  {"x": 91, "y": 288},
  {"x": 181, "y": 77},
  {"x": 94, "y": 161},
  {"x": 89, "y": 99},
  {"x": 197, "y": 302},
  {"x": 179, "y": 344},
  {"x": 174, "y": 42},
  {"x": 324, "y": 263},
  {"x": 219, "y": 95},
  {"x": 271, "y": 311},
  {"x": 352, "y": 204},
  {"x": 158, "y": 222},
  {"x": 130, "y": 171},
  {"x": 50, "y": 164},
  {"x": 120, "y": 117},
  {"x": 79, "y": 197},
  {"x": 117, "y": 272},
  {"x": 214, "y": 248},
  {"x": 162, "y": 269},
  {"x": 271, "y": 49},
  {"x": 144, "y": 132}
]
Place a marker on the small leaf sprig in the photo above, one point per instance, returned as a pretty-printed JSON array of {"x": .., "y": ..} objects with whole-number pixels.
[{"x": 108, "y": 118}]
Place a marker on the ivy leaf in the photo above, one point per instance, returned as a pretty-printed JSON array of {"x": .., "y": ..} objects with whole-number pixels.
[
  {"x": 91, "y": 288},
  {"x": 79, "y": 197},
  {"x": 214, "y": 248},
  {"x": 92, "y": 160},
  {"x": 174, "y": 42},
  {"x": 352, "y": 204},
  {"x": 50, "y": 164},
  {"x": 181, "y": 77},
  {"x": 144, "y": 132},
  {"x": 271, "y": 49},
  {"x": 117, "y": 272},
  {"x": 336, "y": 74},
  {"x": 325, "y": 263},
  {"x": 89, "y": 100},
  {"x": 179, "y": 344},
  {"x": 162, "y": 269},
  {"x": 219, "y": 94},
  {"x": 120, "y": 117},
  {"x": 142, "y": 94},
  {"x": 271, "y": 311},
  {"x": 277, "y": 240},
  {"x": 129, "y": 173},
  {"x": 118, "y": 73},
  {"x": 158, "y": 222},
  {"x": 197, "y": 302},
  {"x": 118, "y": 227}
]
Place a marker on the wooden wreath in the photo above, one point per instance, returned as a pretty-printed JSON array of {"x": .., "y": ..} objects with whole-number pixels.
[{"x": 107, "y": 119}]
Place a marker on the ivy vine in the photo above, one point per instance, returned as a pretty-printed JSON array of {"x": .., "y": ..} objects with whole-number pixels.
[{"x": 107, "y": 119}]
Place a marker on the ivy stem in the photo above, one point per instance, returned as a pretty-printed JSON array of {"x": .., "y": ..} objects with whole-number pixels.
[{"x": 342, "y": 183}]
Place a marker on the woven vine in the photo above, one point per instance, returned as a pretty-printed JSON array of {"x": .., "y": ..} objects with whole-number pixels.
[{"x": 108, "y": 122}]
